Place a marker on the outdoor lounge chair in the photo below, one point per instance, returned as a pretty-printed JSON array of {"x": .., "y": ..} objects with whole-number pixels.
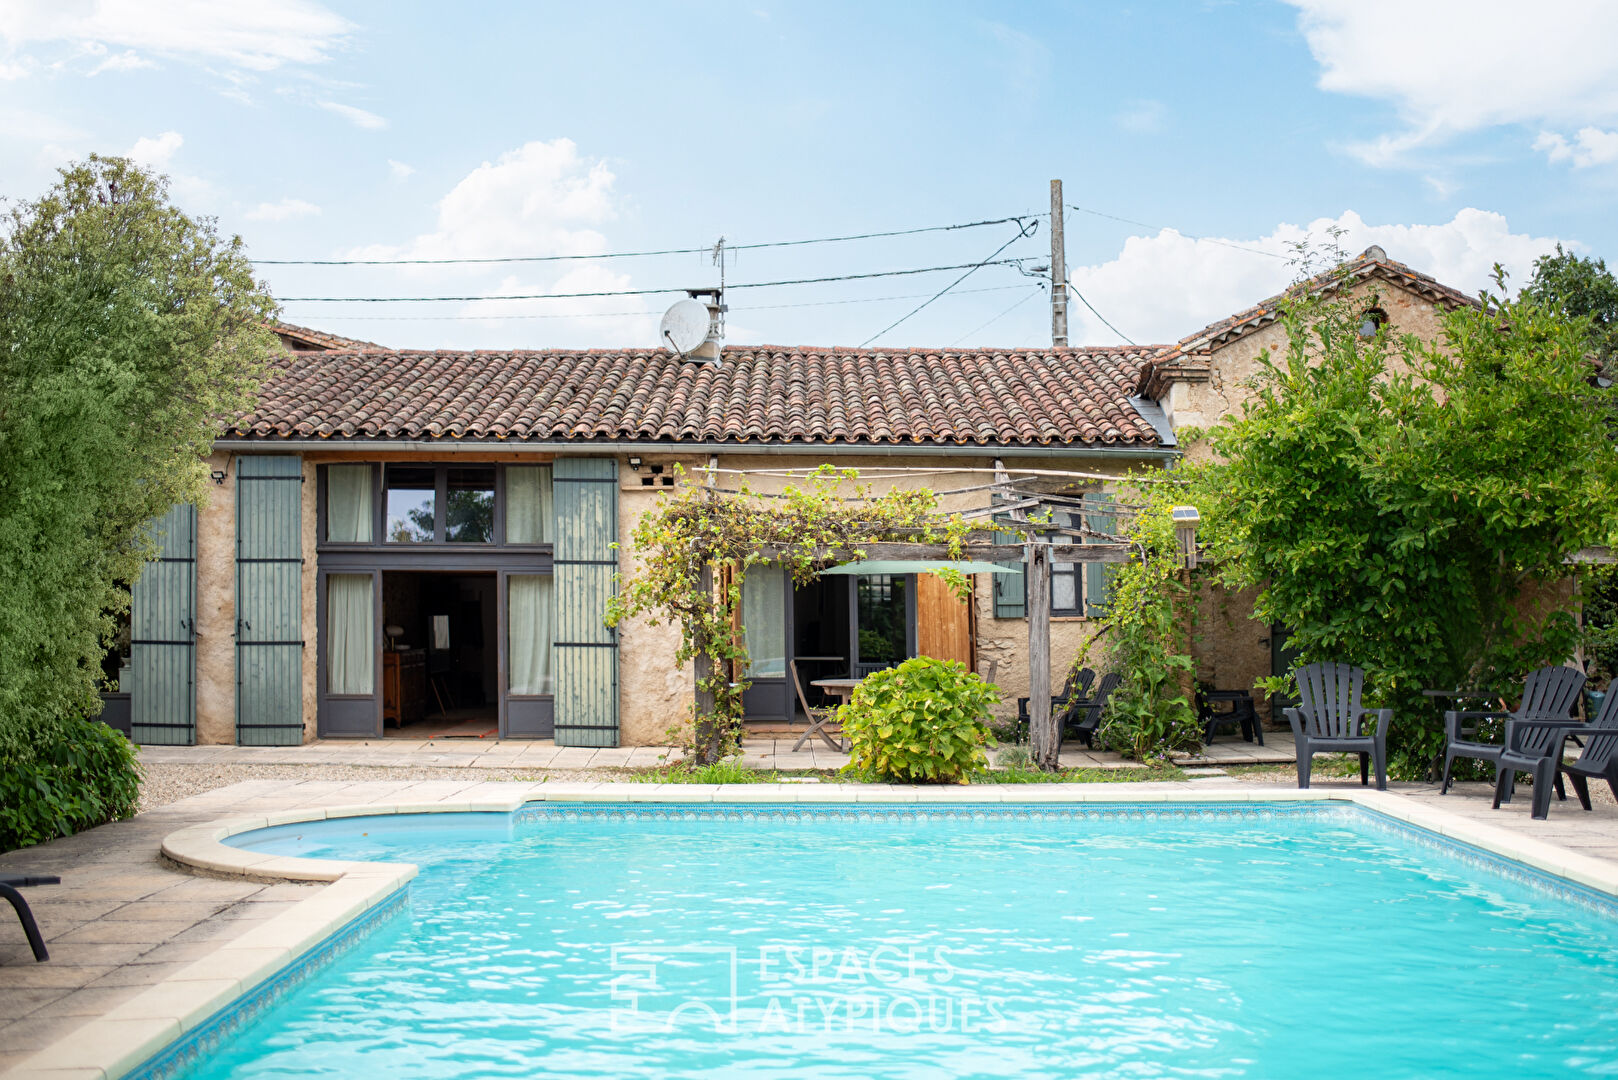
[
  {"x": 1548, "y": 694},
  {"x": 9, "y": 884},
  {"x": 1329, "y": 719},
  {"x": 1085, "y": 714},
  {"x": 1599, "y": 761},
  {"x": 1076, "y": 686}
]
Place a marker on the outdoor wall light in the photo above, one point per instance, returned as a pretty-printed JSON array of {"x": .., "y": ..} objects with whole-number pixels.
[
  {"x": 1185, "y": 533},
  {"x": 218, "y": 477},
  {"x": 634, "y": 463}
]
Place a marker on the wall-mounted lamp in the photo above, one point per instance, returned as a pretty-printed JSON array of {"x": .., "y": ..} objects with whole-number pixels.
[
  {"x": 218, "y": 477},
  {"x": 634, "y": 463},
  {"x": 1185, "y": 533}
]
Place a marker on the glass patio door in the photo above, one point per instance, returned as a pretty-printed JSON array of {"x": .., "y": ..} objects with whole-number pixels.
[
  {"x": 351, "y": 646},
  {"x": 527, "y": 669},
  {"x": 884, "y": 617}
]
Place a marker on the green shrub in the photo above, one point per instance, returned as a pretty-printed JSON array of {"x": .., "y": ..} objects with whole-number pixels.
[
  {"x": 85, "y": 774},
  {"x": 925, "y": 720}
]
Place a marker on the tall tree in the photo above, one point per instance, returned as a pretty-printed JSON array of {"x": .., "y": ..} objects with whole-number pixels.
[
  {"x": 1580, "y": 288},
  {"x": 127, "y": 332},
  {"x": 1406, "y": 505}
]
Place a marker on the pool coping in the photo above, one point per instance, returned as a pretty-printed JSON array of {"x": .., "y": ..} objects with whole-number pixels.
[{"x": 133, "y": 1033}]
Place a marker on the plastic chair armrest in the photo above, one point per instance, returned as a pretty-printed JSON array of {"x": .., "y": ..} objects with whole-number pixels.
[{"x": 1384, "y": 717}]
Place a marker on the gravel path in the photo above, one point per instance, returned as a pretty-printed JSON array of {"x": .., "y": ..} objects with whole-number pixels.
[{"x": 166, "y": 783}]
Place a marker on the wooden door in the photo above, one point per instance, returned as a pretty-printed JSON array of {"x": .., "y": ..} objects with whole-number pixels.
[{"x": 943, "y": 623}]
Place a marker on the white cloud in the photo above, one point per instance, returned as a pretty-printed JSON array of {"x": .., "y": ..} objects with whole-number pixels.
[
  {"x": 542, "y": 198},
  {"x": 400, "y": 170},
  {"x": 535, "y": 200},
  {"x": 1590, "y": 146},
  {"x": 1450, "y": 69},
  {"x": 285, "y": 210},
  {"x": 356, "y": 116},
  {"x": 128, "y": 60},
  {"x": 262, "y": 35},
  {"x": 1161, "y": 288},
  {"x": 155, "y": 153}
]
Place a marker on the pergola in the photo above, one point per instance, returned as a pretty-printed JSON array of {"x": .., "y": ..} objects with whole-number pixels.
[{"x": 1021, "y": 501}]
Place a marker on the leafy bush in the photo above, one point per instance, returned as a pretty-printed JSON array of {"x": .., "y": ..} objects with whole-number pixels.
[
  {"x": 925, "y": 720},
  {"x": 85, "y": 775}
]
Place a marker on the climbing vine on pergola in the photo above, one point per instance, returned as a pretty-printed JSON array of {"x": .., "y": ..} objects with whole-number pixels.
[{"x": 692, "y": 553}]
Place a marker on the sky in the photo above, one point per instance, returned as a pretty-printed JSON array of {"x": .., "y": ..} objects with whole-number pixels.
[{"x": 1197, "y": 143}]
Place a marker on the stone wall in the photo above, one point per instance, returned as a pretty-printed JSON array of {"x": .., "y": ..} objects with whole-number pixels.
[
  {"x": 216, "y": 608},
  {"x": 1204, "y": 404}
]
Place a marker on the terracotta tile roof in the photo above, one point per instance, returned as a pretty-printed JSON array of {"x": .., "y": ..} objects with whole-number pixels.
[
  {"x": 303, "y": 339},
  {"x": 763, "y": 394},
  {"x": 1184, "y": 359}
]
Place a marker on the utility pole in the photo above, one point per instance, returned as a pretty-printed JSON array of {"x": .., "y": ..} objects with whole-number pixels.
[{"x": 1058, "y": 271}]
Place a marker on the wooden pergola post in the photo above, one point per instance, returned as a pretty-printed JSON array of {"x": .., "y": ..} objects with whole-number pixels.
[{"x": 1042, "y": 734}]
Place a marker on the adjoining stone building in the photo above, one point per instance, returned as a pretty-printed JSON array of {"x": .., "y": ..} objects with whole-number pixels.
[{"x": 395, "y": 534}]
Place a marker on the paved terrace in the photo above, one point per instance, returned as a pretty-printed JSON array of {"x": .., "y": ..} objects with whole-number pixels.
[
  {"x": 125, "y": 918},
  {"x": 759, "y": 752}
]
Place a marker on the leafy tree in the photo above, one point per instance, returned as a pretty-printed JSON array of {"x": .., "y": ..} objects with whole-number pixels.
[
  {"x": 1407, "y": 505},
  {"x": 1583, "y": 289},
  {"x": 127, "y": 330}
]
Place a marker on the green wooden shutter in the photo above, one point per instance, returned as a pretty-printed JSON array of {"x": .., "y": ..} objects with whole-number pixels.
[
  {"x": 586, "y": 649},
  {"x": 1098, "y": 576},
  {"x": 163, "y": 636},
  {"x": 1010, "y": 590},
  {"x": 269, "y": 600}
]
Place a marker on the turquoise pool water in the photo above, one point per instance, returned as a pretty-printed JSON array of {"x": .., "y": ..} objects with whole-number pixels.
[{"x": 624, "y": 942}]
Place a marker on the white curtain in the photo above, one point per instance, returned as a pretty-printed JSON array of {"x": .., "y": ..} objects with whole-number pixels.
[
  {"x": 764, "y": 621},
  {"x": 528, "y": 638},
  {"x": 348, "y": 504},
  {"x": 351, "y": 655},
  {"x": 528, "y": 504}
]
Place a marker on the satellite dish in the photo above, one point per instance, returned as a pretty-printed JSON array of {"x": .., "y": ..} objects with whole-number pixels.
[{"x": 684, "y": 326}]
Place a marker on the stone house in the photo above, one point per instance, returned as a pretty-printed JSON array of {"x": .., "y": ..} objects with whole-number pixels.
[{"x": 404, "y": 536}]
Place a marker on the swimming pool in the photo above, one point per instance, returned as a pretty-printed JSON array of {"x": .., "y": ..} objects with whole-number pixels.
[{"x": 1219, "y": 941}]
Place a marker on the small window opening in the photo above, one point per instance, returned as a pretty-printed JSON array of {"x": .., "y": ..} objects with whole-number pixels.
[{"x": 1373, "y": 320}]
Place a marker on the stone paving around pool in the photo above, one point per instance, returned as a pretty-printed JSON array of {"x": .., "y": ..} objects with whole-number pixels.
[
  {"x": 126, "y": 918},
  {"x": 759, "y": 752}
]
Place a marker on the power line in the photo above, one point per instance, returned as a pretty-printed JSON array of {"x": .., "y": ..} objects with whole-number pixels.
[
  {"x": 632, "y": 254},
  {"x": 968, "y": 267},
  {"x": 1024, "y": 230},
  {"x": 1188, "y": 236},
  {"x": 1102, "y": 317},
  {"x": 643, "y": 312},
  {"x": 1033, "y": 292}
]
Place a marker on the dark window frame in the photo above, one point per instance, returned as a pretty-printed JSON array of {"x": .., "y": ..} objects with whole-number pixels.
[
  {"x": 439, "y": 542},
  {"x": 1076, "y": 572}
]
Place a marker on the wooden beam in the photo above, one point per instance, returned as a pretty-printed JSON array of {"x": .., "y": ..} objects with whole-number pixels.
[
  {"x": 1075, "y": 553},
  {"x": 1043, "y": 737}
]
